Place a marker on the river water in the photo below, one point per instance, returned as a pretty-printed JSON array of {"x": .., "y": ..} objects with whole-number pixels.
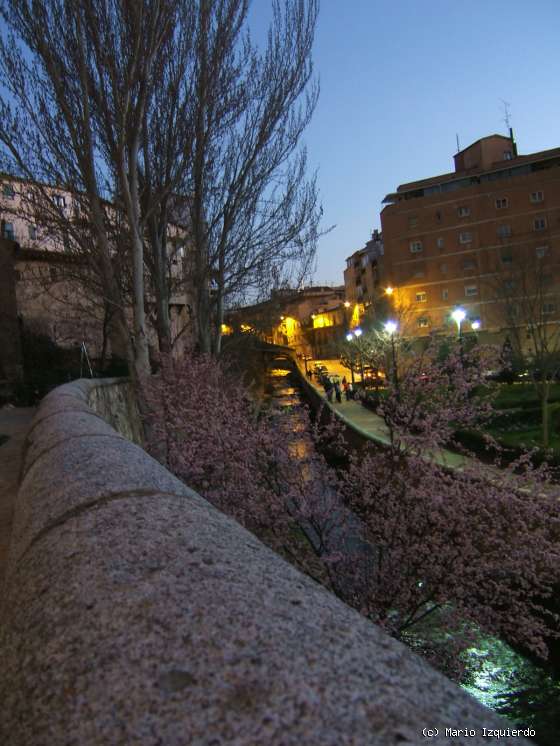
[{"x": 500, "y": 678}]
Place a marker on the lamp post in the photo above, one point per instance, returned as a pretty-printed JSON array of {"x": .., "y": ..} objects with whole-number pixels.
[
  {"x": 356, "y": 334},
  {"x": 390, "y": 329},
  {"x": 458, "y": 317}
]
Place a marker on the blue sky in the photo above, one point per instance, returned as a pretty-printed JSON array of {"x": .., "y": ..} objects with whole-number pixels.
[{"x": 400, "y": 79}]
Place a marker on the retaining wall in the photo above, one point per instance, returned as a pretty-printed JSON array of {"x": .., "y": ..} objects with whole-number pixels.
[{"x": 134, "y": 613}]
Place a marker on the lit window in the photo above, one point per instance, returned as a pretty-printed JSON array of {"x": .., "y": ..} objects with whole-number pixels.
[
  {"x": 471, "y": 290},
  {"x": 501, "y": 203},
  {"x": 465, "y": 237},
  {"x": 541, "y": 251},
  {"x": 415, "y": 246},
  {"x": 421, "y": 297},
  {"x": 504, "y": 231},
  {"x": 32, "y": 231},
  {"x": 463, "y": 212},
  {"x": 536, "y": 197},
  {"x": 423, "y": 322},
  {"x": 445, "y": 294},
  {"x": 440, "y": 243},
  {"x": 539, "y": 224},
  {"x": 549, "y": 308}
]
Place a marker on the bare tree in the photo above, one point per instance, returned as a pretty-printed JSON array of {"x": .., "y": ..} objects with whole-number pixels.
[
  {"x": 528, "y": 308},
  {"x": 164, "y": 112},
  {"x": 254, "y": 216},
  {"x": 78, "y": 79}
]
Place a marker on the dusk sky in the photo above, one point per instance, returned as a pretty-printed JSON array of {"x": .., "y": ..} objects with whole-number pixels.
[{"x": 400, "y": 79}]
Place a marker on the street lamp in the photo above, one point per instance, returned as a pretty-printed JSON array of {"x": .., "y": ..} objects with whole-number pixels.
[
  {"x": 356, "y": 334},
  {"x": 458, "y": 316},
  {"x": 475, "y": 325},
  {"x": 390, "y": 328}
]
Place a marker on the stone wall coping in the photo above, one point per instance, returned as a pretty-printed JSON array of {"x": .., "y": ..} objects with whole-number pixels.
[{"x": 134, "y": 612}]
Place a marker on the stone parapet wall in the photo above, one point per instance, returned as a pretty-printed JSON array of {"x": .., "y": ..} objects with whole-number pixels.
[{"x": 136, "y": 613}]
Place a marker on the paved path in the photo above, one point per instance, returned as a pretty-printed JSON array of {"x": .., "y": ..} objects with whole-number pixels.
[
  {"x": 369, "y": 423},
  {"x": 15, "y": 423}
]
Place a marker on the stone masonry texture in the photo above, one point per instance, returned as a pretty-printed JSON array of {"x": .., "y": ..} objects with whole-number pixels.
[{"x": 136, "y": 614}]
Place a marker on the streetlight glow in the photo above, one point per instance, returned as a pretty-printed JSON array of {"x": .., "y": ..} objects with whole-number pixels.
[
  {"x": 349, "y": 337},
  {"x": 475, "y": 325},
  {"x": 357, "y": 332},
  {"x": 458, "y": 316},
  {"x": 390, "y": 327},
  {"x": 346, "y": 304}
]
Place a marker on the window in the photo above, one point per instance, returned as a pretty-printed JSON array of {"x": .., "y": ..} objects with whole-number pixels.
[
  {"x": 440, "y": 243},
  {"x": 504, "y": 231},
  {"x": 539, "y": 224},
  {"x": 54, "y": 274},
  {"x": 421, "y": 297},
  {"x": 59, "y": 200},
  {"x": 465, "y": 237},
  {"x": 445, "y": 294},
  {"x": 463, "y": 212},
  {"x": 8, "y": 231},
  {"x": 32, "y": 231},
  {"x": 501, "y": 203},
  {"x": 415, "y": 246},
  {"x": 541, "y": 251},
  {"x": 438, "y": 216},
  {"x": 471, "y": 290},
  {"x": 423, "y": 321},
  {"x": 412, "y": 221},
  {"x": 469, "y": 264},
  {"x": 443, "y": 268},
  {"x": 536, "y": 197},
  {"x": 419, "y": 273},
  {"x": 507, "y": 155},
  {"x": 507, "y": 259},
  {"x": 8, "y": 191},
  {"x": 509, "y": 285},
  {"x": 548, "y": 308}
]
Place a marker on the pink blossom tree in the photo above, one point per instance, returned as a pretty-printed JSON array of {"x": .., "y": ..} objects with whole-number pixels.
[{"x": 475, "y": 545}]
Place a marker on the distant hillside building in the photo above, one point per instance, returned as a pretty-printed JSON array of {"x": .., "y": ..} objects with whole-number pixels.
[
  {"x": 448, "y": 239},
  {"x": 363, "y": 274}
]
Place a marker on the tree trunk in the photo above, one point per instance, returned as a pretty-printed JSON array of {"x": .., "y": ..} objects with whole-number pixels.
[{"x": 544, "y": 412}]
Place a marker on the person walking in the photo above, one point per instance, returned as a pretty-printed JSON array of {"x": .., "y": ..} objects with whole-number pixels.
[
  {"x": 329, "y": 387},
  {"x": 337, "y": 392},
  {"x": 349, "y": 391}
]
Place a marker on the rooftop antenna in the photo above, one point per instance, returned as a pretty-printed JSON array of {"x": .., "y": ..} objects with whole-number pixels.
[
  {"x": 506, "y": 114},
  {"x": 458, "y": 146}
]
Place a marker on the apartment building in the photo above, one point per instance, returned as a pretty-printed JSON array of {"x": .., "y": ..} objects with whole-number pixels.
[
  {"x": 453, "y": 240},
  {"x": 47, "y": 260},
  {"x": 362, "y": 276}
]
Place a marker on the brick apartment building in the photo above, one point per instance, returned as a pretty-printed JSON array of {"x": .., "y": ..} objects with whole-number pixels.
[{"x": 451, "y": 240}]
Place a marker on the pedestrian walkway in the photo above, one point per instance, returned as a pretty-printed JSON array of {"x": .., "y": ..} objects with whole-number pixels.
[
  {"x": 369, "y": 424},
  {"x": 14, "y": 422}
]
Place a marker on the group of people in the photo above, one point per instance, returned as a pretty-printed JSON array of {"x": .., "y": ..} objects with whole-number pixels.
[{"x": 334, "y": 387}]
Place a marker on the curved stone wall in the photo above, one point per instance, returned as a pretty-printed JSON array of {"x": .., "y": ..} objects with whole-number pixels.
[{"x": 135, "y": 613}]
